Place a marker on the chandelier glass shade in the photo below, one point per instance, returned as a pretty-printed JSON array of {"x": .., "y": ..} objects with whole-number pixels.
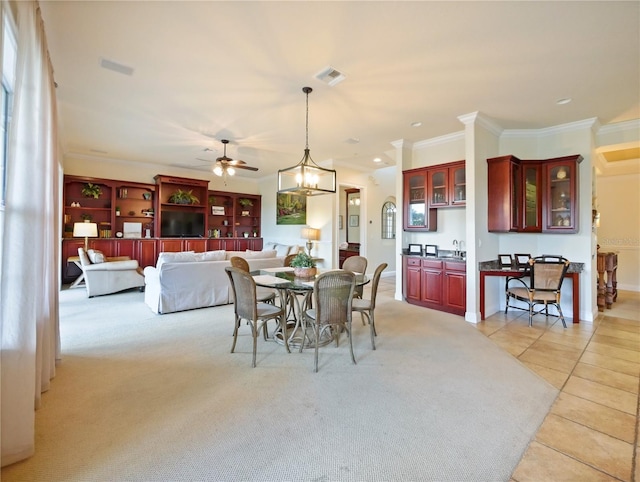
[{"x": 307, "y": 178}]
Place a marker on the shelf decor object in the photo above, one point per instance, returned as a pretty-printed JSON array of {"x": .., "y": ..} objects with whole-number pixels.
[
  {"x": 91, "y": 190},
  {"x": 307, "y": 178}
]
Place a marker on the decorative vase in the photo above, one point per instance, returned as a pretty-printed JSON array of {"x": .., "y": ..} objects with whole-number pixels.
[{"x": 305, "y": 272}]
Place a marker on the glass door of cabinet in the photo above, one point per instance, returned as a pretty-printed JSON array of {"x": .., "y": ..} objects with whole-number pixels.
[
  {"x": 458, "y": 185},
  {"x": 560, "y": 209},
  {"x": 438, "y": 188},
  {"x": 532, "y": 195},
  {"x": 417, "y": 203}
]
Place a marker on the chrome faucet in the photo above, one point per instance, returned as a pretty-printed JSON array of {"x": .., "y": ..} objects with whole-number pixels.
[{"x": 455, "y": 245}]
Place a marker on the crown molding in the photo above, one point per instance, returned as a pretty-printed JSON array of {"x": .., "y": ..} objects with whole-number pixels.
[
  {"x": 445, "y": 139},
  {"x": 547, "y": 131}
]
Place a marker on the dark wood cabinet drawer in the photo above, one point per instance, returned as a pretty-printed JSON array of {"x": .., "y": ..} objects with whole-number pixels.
[
  {"x": 413, "y": 261},
  {"x": 432, "y": 263}
]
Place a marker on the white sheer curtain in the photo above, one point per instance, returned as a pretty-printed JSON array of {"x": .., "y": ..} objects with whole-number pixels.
[{"x": 29, "y": 281}]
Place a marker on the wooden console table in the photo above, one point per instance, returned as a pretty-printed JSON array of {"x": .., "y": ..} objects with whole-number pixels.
[
  {"x": 607, "y": 286},
  {"x": 488, "y": 268}
]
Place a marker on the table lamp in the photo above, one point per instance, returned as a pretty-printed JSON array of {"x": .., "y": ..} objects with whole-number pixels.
[
  {"x": 86, "y": 230},
  {"x": 310, "y": 234}
]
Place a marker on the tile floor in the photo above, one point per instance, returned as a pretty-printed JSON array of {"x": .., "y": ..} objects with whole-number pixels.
[{"x": 591, "y": 432}]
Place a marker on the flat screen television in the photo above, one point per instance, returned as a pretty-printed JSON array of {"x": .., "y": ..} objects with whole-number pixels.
[{"x": 181, "y": 224}]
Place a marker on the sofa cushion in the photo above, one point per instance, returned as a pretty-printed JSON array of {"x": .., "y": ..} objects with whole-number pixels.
[
  {"x": 248, "y": 254},
  {"x": 218, "y": 255},
  {"x": 96, "y": 256},
  {"x": 178, "y": 257}
]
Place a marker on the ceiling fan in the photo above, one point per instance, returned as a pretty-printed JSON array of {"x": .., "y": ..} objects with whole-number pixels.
[{"x": 225, "y": 166}]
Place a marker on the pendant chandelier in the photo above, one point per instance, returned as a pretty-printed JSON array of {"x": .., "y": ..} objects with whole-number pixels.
[{"x": 307, "y": 178}]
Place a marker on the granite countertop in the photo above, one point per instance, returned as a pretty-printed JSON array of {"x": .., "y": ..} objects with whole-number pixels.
[
  {"x": 443, "y": 255},
  {"x": 494, "y": 265}
]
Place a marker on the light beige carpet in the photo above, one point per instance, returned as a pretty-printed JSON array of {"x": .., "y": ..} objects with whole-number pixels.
[{"x": 150, "y": 397}]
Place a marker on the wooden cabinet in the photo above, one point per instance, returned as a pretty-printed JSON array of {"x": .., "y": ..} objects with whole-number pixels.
[
  {"x": 435, "y": 283},
  {"x": 79, "y": 207},
  {"x": 533, "y": 195},
  {"x": 177, "y": 218},
  {"x": 447, "y": 185},
  {"x": 247, "y": 216},
  {"x": 417, "y": 216},
  {"x": 352, "y": 250},
  {"x": 531, "y": 199},
  {"x": 503, "y": 194},
  {"x": 412, "y": 279},
  {"x": 235, "y": 218},
  {"x": 455, "y": 287},
  {"x": 431, "y": 279},
  {"x": 147, "y": 252},
  {"x": 428, "y": 188},
  {"x": 234, "y": 215},
  {"x": 560, "y": 213},
  {"x": 134, "y": 203}
]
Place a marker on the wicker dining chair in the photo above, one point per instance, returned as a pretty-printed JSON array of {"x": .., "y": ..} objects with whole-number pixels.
[
  {"x": 333, "y": 295},
  {"x": 546, "y": 274},
  {"x": 265, "y": 295},
  {"x": 367, "y": 307},
  {"x": 247, "y": 307},
  {"x": 357, "y": 265}
]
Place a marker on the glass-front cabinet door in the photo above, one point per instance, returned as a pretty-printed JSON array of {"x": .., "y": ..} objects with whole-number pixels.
[
  {"x": 532, "y": 192},
  {"x": 438, "y": 187},
  {"x": 458, "y": 189},
  {"x": 560, "y": 214},
  {"x": 417, "y": 215},
  {"x": 417, "y": 204}
]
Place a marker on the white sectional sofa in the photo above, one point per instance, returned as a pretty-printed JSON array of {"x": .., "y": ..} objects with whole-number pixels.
[{"x": 188, "y": 280}]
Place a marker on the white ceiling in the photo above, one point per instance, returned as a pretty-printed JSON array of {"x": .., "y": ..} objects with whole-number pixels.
[{"x": 206, "y": 71}]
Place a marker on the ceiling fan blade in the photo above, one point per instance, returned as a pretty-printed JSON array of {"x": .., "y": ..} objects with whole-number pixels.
[
  {"x": 248, "y": 168},
  {"x": 236, "y": 162}
]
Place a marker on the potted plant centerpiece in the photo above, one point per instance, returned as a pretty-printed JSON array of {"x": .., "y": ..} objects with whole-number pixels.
[
  {"x": 184, "y": 197},
  {"x": 303, "y": 265}
]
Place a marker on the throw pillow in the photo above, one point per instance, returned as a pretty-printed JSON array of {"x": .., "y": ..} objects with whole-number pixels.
[
  {"x": 96, "y": 256},
  {"x": 282, "y": 250},
  {"x": 270, "y": 246}
]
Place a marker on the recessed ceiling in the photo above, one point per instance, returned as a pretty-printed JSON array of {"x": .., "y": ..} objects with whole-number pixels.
[
  {"x": 206, "y": 71},
  {"x": 622, "y": 154}
]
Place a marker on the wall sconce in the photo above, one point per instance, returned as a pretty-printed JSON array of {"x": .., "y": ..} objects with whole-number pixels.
[
  {"x": 86, "y": 230},
  {"x": 310, "y": 234}
]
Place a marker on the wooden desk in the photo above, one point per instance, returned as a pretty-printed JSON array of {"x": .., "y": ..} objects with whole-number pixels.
[{"x": 574, "y": 275}]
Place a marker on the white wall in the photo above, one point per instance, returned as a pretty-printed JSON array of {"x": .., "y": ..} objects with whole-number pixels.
[{"x": 619, "y": 206}]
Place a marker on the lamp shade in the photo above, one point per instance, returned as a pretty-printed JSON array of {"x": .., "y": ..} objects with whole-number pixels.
[
  {"x": 311, "y": 234},
  {"x": 85, "y": 230}
]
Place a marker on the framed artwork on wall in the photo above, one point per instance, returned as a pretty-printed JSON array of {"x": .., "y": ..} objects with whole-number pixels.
[
  {"x": 354, "y": 221},
  {"x": 340, "y": 221},
  {"x": 291, "y": 209}
]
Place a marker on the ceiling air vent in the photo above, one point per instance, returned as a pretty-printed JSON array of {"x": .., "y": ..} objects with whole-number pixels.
[
  {"x": 330, "y": 76},
  {"x": 116, "y": 67}
]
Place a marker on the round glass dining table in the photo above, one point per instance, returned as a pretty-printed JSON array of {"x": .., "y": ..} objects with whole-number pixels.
[{"x": 296, "y": 295}]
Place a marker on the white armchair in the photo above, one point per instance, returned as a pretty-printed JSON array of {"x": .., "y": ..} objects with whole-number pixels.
[{"x": 104, "y": 275}]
